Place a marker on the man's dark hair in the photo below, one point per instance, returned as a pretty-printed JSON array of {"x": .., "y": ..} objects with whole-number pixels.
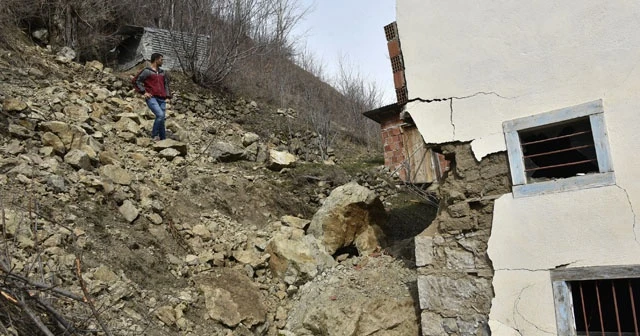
[{"x": 155, "y": 56}]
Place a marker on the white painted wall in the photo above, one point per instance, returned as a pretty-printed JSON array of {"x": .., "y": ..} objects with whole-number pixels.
[{"x": 504, "y": 59}]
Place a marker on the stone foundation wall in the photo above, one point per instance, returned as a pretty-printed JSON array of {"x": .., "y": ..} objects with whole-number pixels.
[{"x": 455, "y": 272}]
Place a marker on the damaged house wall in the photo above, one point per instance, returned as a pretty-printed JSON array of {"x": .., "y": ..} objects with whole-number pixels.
[{"x": 471, "y": 67}]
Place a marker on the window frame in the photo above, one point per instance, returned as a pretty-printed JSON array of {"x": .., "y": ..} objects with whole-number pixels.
[
  {"x": 522, "y": 188},
  {"x": 563, "y": 299}
]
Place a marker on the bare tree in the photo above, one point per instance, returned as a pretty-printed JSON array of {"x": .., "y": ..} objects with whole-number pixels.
[{"x": 361, "y": 95}]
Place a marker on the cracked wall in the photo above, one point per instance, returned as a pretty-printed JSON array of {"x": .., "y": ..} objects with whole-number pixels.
[
  {"x": 455, "y": 272},
  {"x": 486, "y": 64}
]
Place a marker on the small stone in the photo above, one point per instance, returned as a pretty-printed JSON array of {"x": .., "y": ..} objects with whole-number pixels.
[
  {"x": 167, "y": 315},
  {"x": 78, "y": 159},
  {"x": 129, "y": 211},
  {"x": 104, "y": 273},
  {"x": 20, "y": 131},
  {"x": 56, "y": 183},
  {"x": 249, "y": 138},
  {"x": 155, "y": 218},
  {"x": 202, "y": 231},
  {"x": 169, "y": 153},
  {"x": 116, "y": 174},
  {"x": 14, "y": 105}
]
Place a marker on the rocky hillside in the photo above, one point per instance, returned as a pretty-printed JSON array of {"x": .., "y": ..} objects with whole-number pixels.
[{"x": 233, "y": 226}]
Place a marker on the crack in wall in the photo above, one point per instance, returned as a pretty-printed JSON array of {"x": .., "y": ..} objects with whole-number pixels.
[
  {"x": 450, "y": 99},
  {"x": 635, "y": 235},
  {"x": 484, "y": 93},
  {"x": 516, "y": 310},
  {"x": 451, "y": 118}
]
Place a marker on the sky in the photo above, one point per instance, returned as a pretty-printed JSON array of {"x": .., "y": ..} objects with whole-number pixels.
[{"x": 355, "y": 29}]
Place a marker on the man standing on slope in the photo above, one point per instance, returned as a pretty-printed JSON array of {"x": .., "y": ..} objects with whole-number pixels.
[{"x": 153, "y": 83}]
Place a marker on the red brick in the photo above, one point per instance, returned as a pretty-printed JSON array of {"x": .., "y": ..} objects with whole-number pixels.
[
  {"x": 398, "y": 79},
  {"x": 394, "y": 48}
]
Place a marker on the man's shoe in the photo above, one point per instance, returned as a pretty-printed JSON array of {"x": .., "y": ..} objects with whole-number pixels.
[{"x": 156, "y": 138}]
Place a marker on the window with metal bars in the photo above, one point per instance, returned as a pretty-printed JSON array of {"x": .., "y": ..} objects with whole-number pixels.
[
  {"x": 606, "y": 307},
  {"x": 560, "y": 150},
  {"x": 597, "y": 301}
]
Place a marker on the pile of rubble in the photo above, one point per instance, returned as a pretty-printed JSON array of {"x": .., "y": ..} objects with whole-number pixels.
[{"x": 142, "y": 231}]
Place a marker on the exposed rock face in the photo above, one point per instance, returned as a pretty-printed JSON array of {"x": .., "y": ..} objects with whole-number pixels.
[
  {"x": 351, "y": 215},
  {"x": 297, "y": 261},
  {"x": 455, "y": 288},
  {"x": 232, "y": 298}
]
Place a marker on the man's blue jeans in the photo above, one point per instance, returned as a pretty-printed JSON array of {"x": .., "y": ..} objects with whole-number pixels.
[{"x": 158, "y": 107}]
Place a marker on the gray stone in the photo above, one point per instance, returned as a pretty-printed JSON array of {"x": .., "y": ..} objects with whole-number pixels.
[
  {"x": 432, "y": 324},
  {"x": 249, "y": 138},
  {"x": 115, "y": 174},
  {"x": 65, "y": 55},
  {"x": 167, "y": 315},
  {"x": 104, "y": 273},
  {"x": 459, "y": 210},
  {"x": 129, "y": 211},
  {"x": 127, "y": 125},
  {"x": 458, "y": 258},
  {"x": 424, "y": 250},
  {"x": 226, "y": 152},
  {"x": 56, "y": 183},
  {"x": 181, "y": 147},
  {"x": 50, "y": 139},
  {"x": 78, "y": 159},
  {"x": 13, "y": 105},
  {"x": 19, "y": 131},
  {"x": 455, "y": 294},
  {"x": 77, "y": 113},
  {"x": 169, "y": 153},
  {"x": 41, "y": 34}
]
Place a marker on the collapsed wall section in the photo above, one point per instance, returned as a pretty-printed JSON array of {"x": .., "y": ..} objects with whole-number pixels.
[{"x": 455, "y": 272}]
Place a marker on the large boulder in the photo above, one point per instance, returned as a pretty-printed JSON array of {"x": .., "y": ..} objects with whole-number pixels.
[
  {"x": 297, "y": 261},
  {"x": 231, "y": 298},
  {"x": 351, "y": 215}
]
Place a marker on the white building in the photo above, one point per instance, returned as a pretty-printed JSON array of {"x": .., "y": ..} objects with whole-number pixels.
[{"x": 555, "y": 86}]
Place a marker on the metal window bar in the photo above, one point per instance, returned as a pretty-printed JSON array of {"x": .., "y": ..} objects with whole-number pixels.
[
  {"x": 555, "y": 138},
  {"x": 584, "y": 309},
  {"x": 633, "y": 309},
  {"x": 616, "y": 304},
  {"x": 599, "y": 308},
  {"x": 561, "y": 165},
  {"x": 559, "y": 151}
]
